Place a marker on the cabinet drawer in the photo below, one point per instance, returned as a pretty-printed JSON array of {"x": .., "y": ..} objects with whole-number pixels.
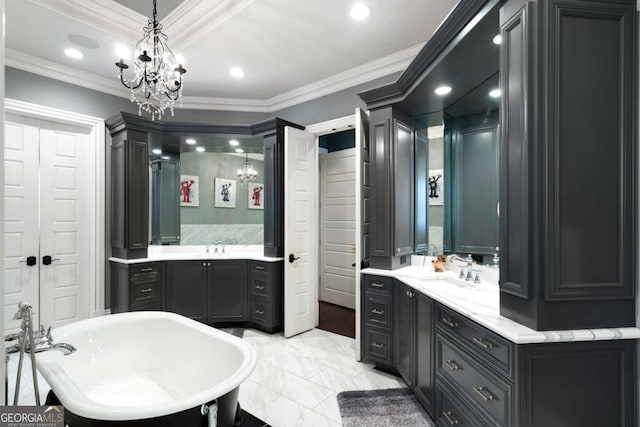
[
  {"x": 260, "y": 284},
  {"x": 152, "y": 304},
  {"x": 378, "y": 284},
  {"x": 480, "y": 388},
  {"x": 259, "y": 266},
  {"x": 142, "y": 269},
  {"x": 378, "y": 311},
  {"x": 378, "y": 346},
  {"x": 144, "y": 290},
  {"x": 449, "y": 411},
  {"x": 260, "y": 312},
  {"x": 489, "y": 346}
]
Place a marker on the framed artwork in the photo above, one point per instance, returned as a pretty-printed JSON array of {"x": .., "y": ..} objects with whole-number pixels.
[
  {"x": 435, "y": 185},
  {"x": 255, "y": 193},
  {"x": 225, "y": 193},
  {"x": 189, "y": 190}
]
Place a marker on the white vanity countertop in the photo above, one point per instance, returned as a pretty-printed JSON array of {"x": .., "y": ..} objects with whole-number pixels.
[
  {"x": 481, "y": 303},
  {"x": 196, "y": 253}
]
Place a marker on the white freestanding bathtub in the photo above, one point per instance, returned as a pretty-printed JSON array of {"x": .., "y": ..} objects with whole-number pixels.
[{"x": 144, "y": 365}]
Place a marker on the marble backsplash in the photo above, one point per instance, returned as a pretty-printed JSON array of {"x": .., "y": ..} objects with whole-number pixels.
[
  {"x": 436, "y": 237},
  {"x": 206, "y": 234}
]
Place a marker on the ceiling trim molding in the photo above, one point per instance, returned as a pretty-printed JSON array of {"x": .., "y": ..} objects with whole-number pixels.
[
  {"x": 379, "y": 68},
  {"x": 53, "y": 70},
  {"x": 193, "y": 19},
  {"x": 104, "y": 15},
  {"x": 333, "y": 125}
]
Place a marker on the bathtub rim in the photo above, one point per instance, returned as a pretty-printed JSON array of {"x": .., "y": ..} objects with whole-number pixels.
[{"x": 73, "y": 398}]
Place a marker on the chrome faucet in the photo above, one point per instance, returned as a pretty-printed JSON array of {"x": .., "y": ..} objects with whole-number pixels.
[
  {"x": 206, "y": 249},
  {"x": 216, "y": 249}
]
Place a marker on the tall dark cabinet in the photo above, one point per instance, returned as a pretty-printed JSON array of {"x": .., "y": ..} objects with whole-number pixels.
[
  {"x": 392, "y": 175},
  {"x": 568, "y": 171}
]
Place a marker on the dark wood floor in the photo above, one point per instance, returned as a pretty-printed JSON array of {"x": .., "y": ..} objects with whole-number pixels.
[{"x": 336, "y": 319}]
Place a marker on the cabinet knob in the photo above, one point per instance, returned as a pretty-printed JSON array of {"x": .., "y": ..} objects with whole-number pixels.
[{"x": 397, "y": 250}]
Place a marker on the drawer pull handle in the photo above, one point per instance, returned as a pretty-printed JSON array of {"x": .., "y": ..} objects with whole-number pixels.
[
  {"x": 451, "y": 418},
  {"x": 483, "y": 343},
  {"x": 144, "y": 291},
  {"x": 259, "y": 267},
  {"x": 377, "y": 285},
  {"x": 377, "y": 345},
  {"x": 146, "y": 270},
  {"x": 259, "y": 287},
  {"x": 259, "y": 312},
  {"x": 480, "y": 391},
  {"x": 450, "y": 323},
  {"x": 452, "y": 365},
  {"x": 376, "y": 311}
]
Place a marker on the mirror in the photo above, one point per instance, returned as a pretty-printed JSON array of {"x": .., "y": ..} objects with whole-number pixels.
[
  {"x": 205, "y": 200},
  {"x": 455, "y": 110}
]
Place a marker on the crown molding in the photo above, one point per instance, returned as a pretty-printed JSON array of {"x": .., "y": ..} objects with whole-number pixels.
[
  {"x": 104, "y": 15},
  {"x": 379, "y": 68},
  {"x": 193, "y": 19},
  {"x": 53, "y": 70}
]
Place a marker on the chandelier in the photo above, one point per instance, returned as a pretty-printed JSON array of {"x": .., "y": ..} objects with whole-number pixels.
[
  {"x": 247, "y": 173},
  {"x": 157, "y": 81}
]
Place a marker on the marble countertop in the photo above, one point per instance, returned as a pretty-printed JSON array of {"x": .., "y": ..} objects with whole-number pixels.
[
  {"x": 481, "y": 303},
  {"x": 197, "y": 253}
]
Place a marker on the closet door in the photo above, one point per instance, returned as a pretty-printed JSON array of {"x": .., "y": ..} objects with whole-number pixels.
[
  {"x": 21, "y": 217},
  {"x": 64, "y": 224}
]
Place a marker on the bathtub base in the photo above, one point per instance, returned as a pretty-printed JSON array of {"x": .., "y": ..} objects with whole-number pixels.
[{"x": 228, "y": 412}]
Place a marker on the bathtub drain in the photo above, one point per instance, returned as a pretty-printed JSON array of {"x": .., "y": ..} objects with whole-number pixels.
[{"x": 211, "y": 412}]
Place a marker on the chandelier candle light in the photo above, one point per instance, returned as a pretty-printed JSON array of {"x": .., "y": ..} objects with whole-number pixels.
[
  {"x": 157, "y": 82},
  {"x": 247, "y": 173}
]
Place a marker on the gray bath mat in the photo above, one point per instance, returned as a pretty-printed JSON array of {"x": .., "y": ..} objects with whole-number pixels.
[
  {"x": 394, "y": 407},
  {"x": 238, "y": 332}
]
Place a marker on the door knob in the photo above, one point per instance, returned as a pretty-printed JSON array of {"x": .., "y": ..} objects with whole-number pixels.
[
  {"x": 292, "y": 258},
  {"x": 30, "y": 261},
  {"x": 47, "y": 260}
]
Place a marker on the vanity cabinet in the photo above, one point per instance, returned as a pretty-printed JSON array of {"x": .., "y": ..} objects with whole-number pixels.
[
  {"x": 227, "y": 291},
  {"x": 187, "y": 286},
  {"x": 377, "y": 322},
  {"x": 165, "y": 200},
  {"x": 568, "y": 163},
  {"x": 392, "y": 202},
  {"x": 136, "y": 287},
  {"x": 266, "y": 285}
]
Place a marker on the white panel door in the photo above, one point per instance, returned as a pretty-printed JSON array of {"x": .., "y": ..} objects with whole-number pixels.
[
  {"x": 363, "y": 210},
  {"x": 21, "y": 191},
  {"x": 338, "y": 228},
  {"x": 301, "y": 231},
  {"x": 64, "y": 224}
]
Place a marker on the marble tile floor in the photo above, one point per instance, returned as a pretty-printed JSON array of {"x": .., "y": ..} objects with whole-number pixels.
[{"x": 295, "y": 383}]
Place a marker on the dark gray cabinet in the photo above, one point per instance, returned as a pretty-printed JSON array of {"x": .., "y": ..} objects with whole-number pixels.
[
  {"x": 136, "y": 287},
  {"x": 568, "y": 172},
  {"x": 129, "y": 193},
  {"x": 165, "y": 200},
  {"x": 266, "y": 286},
  {"x": 273, "y": 196},
  {"x": 377, "y": 322},
  {"x": 404, "y": 331},
  {"x": 474, "y": 189},
  {"x": 392, "y": 201},
  {"x": 423, "y": 385},
  {"x": 227, "y": 291},
  {"x": 186, "y": 283}
]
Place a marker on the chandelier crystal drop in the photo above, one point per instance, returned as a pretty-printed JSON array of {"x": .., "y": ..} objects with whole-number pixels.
[
  {"x": 157, "y": 82},
  {"x": 247, "y": 173}
]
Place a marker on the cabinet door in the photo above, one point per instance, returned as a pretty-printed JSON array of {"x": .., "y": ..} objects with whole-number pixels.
[
  {"x": 165, "y": 201},
  {"x": 137, "y": 191},
  {"x": 273, "y": 196},
  {"x": 424, "y": 374},
  {"x": 187, "y": 288},
  {"x": 403, "y": 196},
  {"x": 404, "y": 332},
  {"x": 227, "y": 282}
]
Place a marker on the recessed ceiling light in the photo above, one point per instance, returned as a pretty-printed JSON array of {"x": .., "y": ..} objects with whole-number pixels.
[
  {"x": 190, "y": 141},
  {"x": 442, "y": 90},
  {"x": 236, "y": 72},
  {"x": 234, "y": 142},
  {"x": 156, "y": 151},
  {"x": 360, "y": 11},
  {"x": 239, "y": 150},
  {"x": 200, "y": 149},
  {"x": 495, "y": 93},
  {"x": 497, "y": 39},
  {"x": 73, "y": 53}
]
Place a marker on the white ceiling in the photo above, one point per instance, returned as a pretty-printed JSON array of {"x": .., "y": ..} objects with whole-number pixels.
[{"x": 291, "y": 50}]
